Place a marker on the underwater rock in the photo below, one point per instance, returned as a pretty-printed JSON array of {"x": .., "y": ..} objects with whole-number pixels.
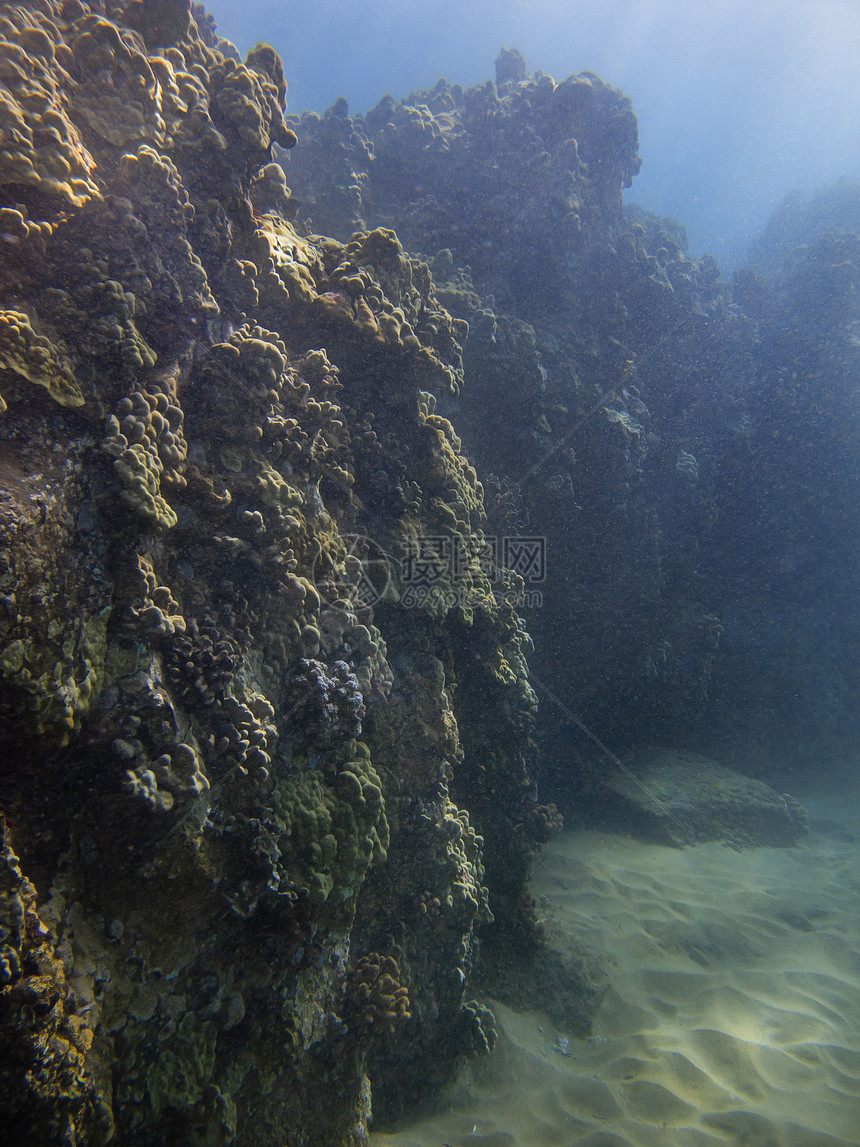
[
  {"x": 565, "y": 979},
  {"x": 46, "y": 1086},
  {"x": 208, "y": 500},
  {"x": 545, "y": 164},
  {"x": 582, "y": 321},
  {"x": 678, "y": 797}
]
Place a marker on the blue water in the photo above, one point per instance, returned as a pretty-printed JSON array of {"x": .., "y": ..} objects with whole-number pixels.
[{"x": 738, "y": 103}]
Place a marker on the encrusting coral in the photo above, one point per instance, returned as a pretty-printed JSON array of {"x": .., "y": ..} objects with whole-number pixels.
[
  {"x": 379, "y": 1002},
  {"x": 46, "y": 1040},
  {"x": 35, "y": 358},
  {"x": 241, "y": 722}
]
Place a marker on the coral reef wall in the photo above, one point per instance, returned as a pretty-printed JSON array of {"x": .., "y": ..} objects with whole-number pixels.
[
  {"x": 241, "y": 874},
  {"x": 300, "y": 418},
  {"x": 631, "y": 409},
  {"x": 787, "y": 557},
  {"x": 596, "y": 362}
]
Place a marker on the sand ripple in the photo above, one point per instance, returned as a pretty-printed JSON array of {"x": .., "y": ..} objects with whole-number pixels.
[{"x": 734, "y": 1012}]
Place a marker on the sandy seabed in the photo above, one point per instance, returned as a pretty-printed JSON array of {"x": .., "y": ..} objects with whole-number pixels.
[{"x": 733, "y": 1015}]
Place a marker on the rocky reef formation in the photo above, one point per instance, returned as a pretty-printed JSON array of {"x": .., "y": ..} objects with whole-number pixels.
[
  {"x": 300, "y": 417},
  {"x": 679, "y": 798},
  {"x": 801, "y": 220},
  {"x": 632, "y": 410},
  {"x": 238, "y": 880},
  {"x": 594, "y": 345}
]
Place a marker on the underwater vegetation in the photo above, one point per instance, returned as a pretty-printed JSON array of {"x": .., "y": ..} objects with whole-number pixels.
[{"x": 267, "y": 721}]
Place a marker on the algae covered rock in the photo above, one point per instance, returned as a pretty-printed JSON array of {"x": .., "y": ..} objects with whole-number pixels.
[
  {"x": 230, "y": 730},
  {"x": 46, "y": 1085}
]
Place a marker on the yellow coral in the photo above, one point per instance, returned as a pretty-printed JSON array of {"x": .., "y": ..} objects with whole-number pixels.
[
  {"x": 275, "y": 489},
  {"x": 117, "y": 94},
  {"x": 36, "y": 358},
  {"x": 141, "y": 472},
  {"x": 40, "y": 146},
  {"x": 248, "y": 99},
  {"x": 152, "y": 418},
  {"x": 157, "y": 611},
  {"x": 292, "y": 263},
  {"x": 380, "y": 1000},
  {"x": 16, "y": 228}
]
